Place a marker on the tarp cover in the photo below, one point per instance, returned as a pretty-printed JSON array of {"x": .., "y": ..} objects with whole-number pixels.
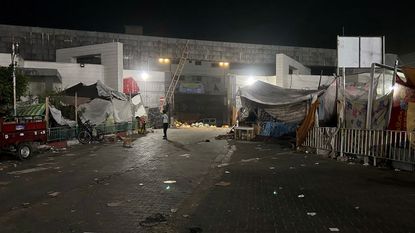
[
  {"x": 285, "y": 105},
  {"x": 97, "y": 111},
  {"x": 57, "y": 116},
  {"x": 268, "y": 94},
  {"x": 96, "y": 90}
]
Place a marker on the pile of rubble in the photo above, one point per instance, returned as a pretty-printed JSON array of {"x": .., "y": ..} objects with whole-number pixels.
[{"x": 179, "y": 124}]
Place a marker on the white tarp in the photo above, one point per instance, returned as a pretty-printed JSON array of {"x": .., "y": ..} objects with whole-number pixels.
[
  {"x": 97, "y": 111},
  {"x": 122, "y": 111},
  {"x": 138, "y": 107},
  {"x": 57, "y": 116}
]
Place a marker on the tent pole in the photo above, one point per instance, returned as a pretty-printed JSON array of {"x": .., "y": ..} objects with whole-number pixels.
[{"x": 47, "y": 111}]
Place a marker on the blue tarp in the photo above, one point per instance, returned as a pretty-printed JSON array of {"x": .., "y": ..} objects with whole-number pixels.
[{"x": 277, "y": 129}]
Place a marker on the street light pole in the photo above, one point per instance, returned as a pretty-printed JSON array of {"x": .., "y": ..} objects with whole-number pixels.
[{"x": 15, "y": 48}]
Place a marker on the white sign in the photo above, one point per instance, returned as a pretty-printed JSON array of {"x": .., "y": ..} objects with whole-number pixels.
[{"x": 359, "y": 52}]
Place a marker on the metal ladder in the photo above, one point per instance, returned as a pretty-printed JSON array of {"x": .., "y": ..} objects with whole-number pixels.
[{"x": 177, "y": 73}]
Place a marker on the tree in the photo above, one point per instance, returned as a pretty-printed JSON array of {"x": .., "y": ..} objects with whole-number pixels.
[{"x": 6, "y": 88}]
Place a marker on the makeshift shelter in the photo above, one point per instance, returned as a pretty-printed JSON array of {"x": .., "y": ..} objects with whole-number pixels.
[
  {"x": 278, "y": 110},
  {"x": 99, "y": 103}
]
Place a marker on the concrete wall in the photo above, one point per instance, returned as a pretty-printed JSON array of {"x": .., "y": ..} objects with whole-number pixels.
[
  {"x": 284, "y": 64},
  {"x": 151, "y": 89},
  {"x": 111, "y": 59},
  {"x": 41, "y": 44},
  {"x": 71, "y": 73}
]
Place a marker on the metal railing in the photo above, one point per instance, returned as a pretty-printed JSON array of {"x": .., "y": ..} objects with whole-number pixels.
[
  {"x": 379, "y": 144},
  {"x": 67, "y": 133}
]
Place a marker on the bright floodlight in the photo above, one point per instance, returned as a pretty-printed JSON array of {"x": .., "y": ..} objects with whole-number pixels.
[
  {"x": 161, "y": 60},
  {"x": 250, "y": 80},
  {"x": 144, "y": 75},
  {"x": 166, "y": 60}
]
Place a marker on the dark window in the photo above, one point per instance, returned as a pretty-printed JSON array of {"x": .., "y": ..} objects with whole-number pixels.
[
  {"x": 198, "y": 63},
  {"x": 214, "y": 64}
]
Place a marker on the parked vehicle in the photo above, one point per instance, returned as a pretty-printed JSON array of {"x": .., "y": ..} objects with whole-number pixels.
[
  {"x": 88, "y": 133},
  {"x": 22, "y": 135}
]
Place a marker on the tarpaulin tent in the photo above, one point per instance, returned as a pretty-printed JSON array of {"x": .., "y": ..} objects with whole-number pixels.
[
  {"x": 285, "y": 105},
  {"x": 96, "y": 90}
]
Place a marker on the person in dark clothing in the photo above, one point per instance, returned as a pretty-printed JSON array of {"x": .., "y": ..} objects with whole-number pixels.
[{"x": 165, "y": 123}]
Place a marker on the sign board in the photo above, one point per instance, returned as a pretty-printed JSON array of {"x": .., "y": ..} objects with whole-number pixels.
[{"x": 359, "y": 52}]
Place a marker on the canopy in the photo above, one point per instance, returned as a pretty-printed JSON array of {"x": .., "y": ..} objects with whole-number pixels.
[
  {"x": 96, "y": 90},
  {"x": 268, "y": 94}
]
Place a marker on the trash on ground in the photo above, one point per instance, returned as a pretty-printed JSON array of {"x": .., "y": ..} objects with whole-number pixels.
[
  {"x": 169, "y": 181},
  {"x": 249, "y": 160},
  {"x": 185, "y": 155},
  {"x": 301, "y": 196},
  {"x": 316, "y": 163},
  {"x": 141, "y": 184},
  {"x": 73, "y": 211},
  {"x": 25, "y": 204},
  {"x": 280, "y": 188},
  {"x": 334, "y": 229},
  {"x": 397, "y": 170},
  {"x": 272, "y": 168},
  {"x": 302, "y": 165},
  {"x": 292, "y": 167},
  {"x": 29, "y": 170},
  {"x": 185, "y": 215},
  {"x": 223, "y": 183},
  {"x": 153, "y": 220},
  {"x": 114, "y": 204},
  {"x": 173, "y": 210},
  {"x": 227, "y": 172},
  {"x": 168, "y": 187},
  {"x": 223, "y": 165},
  {"x": 53, "y": 194},
  {"x": 311, "y": 213},
  {"x": 357, "y": 207},
  {"x": 366, "y": 164}
]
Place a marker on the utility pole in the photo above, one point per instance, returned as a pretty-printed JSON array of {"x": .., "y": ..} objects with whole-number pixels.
[{"x": 15, "y": 52}]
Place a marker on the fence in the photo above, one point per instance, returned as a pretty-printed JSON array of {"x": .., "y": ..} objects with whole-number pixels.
[
  {"x": 379, "y": 144},
  {"x": 67, "y": 133}
]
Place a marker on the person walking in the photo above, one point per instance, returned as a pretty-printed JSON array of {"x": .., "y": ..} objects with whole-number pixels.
[{"x": 165, "y": 123}]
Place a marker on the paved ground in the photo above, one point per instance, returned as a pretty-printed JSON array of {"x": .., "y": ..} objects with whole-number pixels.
[
  {"x": 273, "y": 189},
  {"x": 106, "y": 188},
  {"x": 265, "y": 187}
]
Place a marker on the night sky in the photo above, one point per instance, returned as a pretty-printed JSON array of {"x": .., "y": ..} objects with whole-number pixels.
[{"x": 289, "y": 22}]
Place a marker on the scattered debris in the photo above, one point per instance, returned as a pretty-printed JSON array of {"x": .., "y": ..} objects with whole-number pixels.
[
  {"x": 249, "y": 160},
  {"x": 169, "y": 181},
  {"x": 357, "y": 207},
  {"x": 301, "y": 196},
  {"x": 185, "y": 215},
  {"x": 29, "y": 170},
  {"x": 302, "y": 165},
  {"x": 25, "y": 204},
  {"x": 223, "y": 183},
  {"x": 223, "y": 165},
  {"x": 292, "y": 167},
  {"x": 153, "y": 220},
  {"x": 114, "y": 204},
  {"x": 275, "y": 192},
  {"x": 366, "y": 164},
  {"x": 225, "y": 136},
  {"x": 311, "y": 213},
  {"x": 397, "y": 170},
  {"x": 53, "y": 194},
  {"x": 272, "y": 168},
  {"x": 316, "y": 163},
  {"x": 280, "y": 188},
  {"x": 227, "y": 172},
  {"x": 141, "y": 184},
  {"x": 73, "y": 211},
  {"x": 173, "y": 210},
  {"x": 334, "y": 229},
  {"x": 185, "y": 155}
]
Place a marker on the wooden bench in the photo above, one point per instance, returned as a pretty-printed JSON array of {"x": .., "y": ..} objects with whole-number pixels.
[{"x": 244, "y": 133}]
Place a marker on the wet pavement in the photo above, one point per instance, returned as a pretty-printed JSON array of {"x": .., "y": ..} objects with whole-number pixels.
[{"x": 194, "y": 185}]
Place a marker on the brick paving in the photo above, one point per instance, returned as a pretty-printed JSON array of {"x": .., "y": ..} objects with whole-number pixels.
[
  {"x": 264, "y": 195},
  {"x": 100, "y": 185},
  {"x": 109, "y": 188}
]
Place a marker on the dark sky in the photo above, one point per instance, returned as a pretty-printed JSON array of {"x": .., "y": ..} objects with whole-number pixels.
[{"x": 289, "y": 22}]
